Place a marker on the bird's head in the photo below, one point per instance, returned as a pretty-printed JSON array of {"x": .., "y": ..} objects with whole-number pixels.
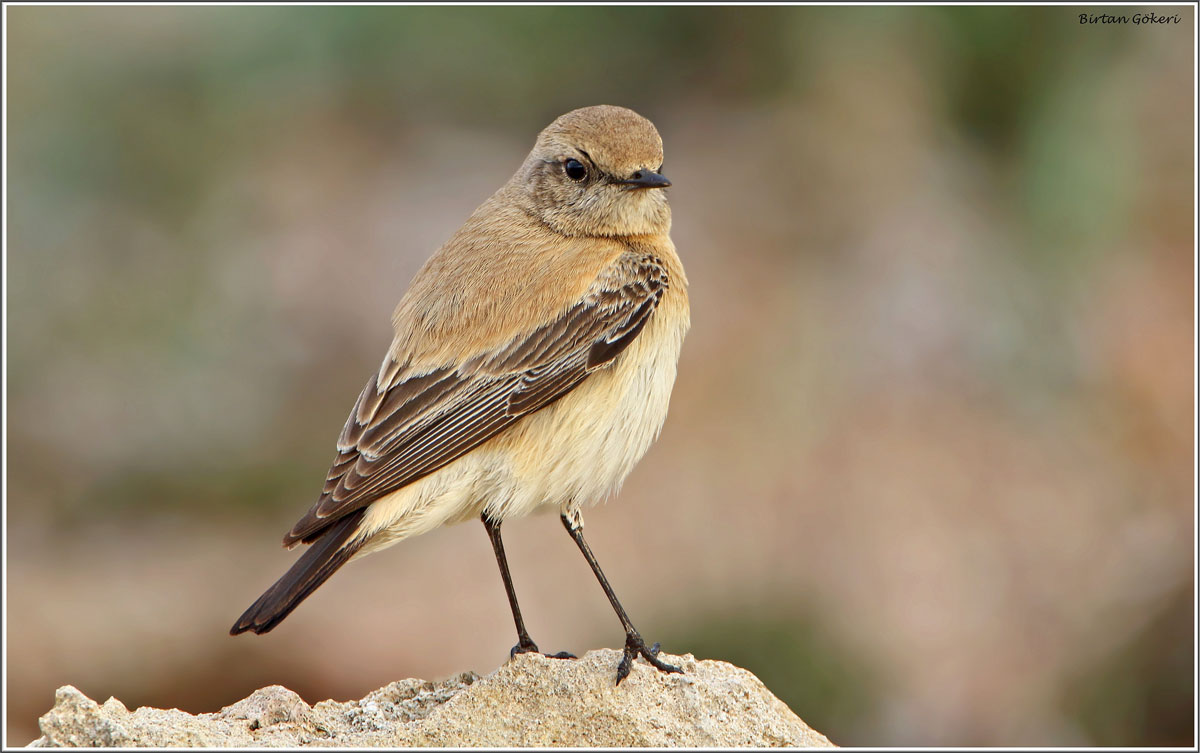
[{"x": 596, "y": 172}]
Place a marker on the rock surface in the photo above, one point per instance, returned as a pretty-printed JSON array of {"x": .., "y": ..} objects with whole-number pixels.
[{"x": 530, "y": 701}]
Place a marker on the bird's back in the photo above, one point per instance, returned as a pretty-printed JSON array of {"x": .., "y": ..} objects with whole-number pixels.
[{"x": 483, "y": 287}]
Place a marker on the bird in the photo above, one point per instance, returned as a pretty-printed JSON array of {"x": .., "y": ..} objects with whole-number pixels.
[{"x": 532, "y": 364}]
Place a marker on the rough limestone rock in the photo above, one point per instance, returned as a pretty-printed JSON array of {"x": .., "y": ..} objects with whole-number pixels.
[{"x": 530, "y": 701}]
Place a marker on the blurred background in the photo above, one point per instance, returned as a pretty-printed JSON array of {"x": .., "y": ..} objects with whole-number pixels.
[{"x": 928, "y": 467}]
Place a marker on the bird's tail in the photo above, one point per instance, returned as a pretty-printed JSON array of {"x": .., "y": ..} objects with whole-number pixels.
[{"x": 322, "y": 559}]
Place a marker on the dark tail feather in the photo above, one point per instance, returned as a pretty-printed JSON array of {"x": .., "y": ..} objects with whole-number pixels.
[{"x": 321, "y": 560}]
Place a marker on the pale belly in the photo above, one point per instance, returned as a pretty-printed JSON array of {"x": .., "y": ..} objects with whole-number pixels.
[
  {"x": 574, "y": 453},
  {"x": 578, "y": 451}
]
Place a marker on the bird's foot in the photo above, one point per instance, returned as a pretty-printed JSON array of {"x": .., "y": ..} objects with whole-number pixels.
[
  {"x": 634, "y": 646},
  {"x": 527, "y": 646}
]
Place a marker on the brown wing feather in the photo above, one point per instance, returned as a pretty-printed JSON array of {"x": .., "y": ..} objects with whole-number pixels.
[{"x": 410, "y": 425}]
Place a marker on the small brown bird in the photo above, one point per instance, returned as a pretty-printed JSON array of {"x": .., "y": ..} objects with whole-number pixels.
[{"x": 532, "y": 364}]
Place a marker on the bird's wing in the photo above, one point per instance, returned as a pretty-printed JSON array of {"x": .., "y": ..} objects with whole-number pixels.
[{"x": 406, "y": 426}]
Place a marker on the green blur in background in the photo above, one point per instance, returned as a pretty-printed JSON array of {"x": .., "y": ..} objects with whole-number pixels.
[{"x": 928, "y": 467}]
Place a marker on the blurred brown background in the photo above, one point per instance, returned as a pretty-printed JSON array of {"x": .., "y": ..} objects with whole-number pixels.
[{"x": 928, "y": 468}]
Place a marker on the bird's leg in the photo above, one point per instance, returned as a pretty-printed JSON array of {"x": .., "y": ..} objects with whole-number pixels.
[
  {"x": 634, "y": 645},
  {"x": 525, "y": 644}
]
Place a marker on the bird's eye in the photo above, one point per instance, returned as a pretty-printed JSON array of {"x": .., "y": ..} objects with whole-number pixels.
[{"x": 575, "y": 170}]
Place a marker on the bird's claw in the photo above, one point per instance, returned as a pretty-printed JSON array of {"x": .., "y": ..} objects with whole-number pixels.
[
  {"x": 635, "y": 646},
  {"x": 529, "y": 647}
]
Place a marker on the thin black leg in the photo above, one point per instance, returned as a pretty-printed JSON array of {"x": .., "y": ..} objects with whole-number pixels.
[
  {"x": 634, "y": 645},
  {"x": 525, "y": 644}
]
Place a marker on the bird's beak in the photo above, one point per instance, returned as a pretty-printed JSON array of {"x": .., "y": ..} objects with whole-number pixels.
[{"x": 646, "y": 179}]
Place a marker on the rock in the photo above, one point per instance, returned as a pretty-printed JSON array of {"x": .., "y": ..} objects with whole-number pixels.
[{"x": 530, "y": 701}]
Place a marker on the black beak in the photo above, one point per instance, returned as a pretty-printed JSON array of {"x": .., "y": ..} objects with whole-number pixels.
[{"x": 646, "y": 179}]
